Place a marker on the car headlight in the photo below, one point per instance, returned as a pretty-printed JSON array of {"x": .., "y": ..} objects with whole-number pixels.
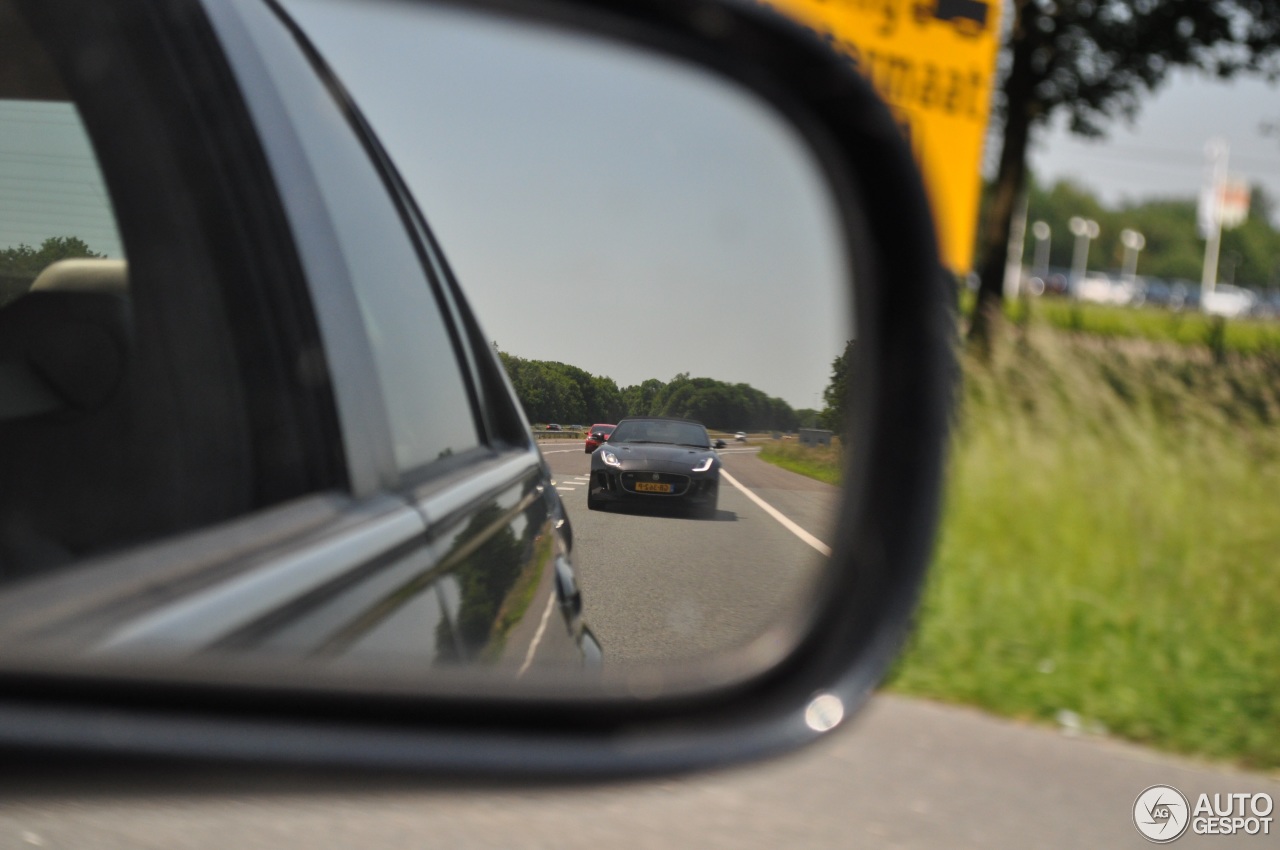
[
  {"x": 704, "y": 466},
  {"x": 610, "y": 458}
]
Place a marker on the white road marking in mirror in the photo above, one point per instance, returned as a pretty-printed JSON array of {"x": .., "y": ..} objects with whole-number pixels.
[
  {"x": 537, "y": 636},
  {"x": 782, "y": 518}
]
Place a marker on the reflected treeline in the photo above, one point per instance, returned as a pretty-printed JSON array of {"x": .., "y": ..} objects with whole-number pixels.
[
  {"x": 496, "y": 581},
  {"x": 557, "y": 392}
]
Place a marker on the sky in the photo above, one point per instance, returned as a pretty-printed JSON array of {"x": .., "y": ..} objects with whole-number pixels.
[
  {"x": 50, "y": 184},
  {"x": 602, "y": 207},
  {"x": 1162, "y": 153}
]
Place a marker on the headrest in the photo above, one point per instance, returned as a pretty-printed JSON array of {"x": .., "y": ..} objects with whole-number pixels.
[
  {"x": 65, "y": 343},
  {"x": 84, "y": 275}
]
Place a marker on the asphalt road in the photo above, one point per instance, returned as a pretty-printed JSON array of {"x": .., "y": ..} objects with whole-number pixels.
[
  {"x": 907, "y": 774},
  {"x": 661, "y": 588}
]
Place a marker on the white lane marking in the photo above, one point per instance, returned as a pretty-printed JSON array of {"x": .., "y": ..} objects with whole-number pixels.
[
  {"x": 782, "y": 518},
  {"x": 562, "y": 489},
  {"x": 537, "y": 636}
]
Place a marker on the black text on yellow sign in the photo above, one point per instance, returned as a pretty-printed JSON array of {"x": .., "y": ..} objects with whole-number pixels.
[{"x": 933, "y": 61}]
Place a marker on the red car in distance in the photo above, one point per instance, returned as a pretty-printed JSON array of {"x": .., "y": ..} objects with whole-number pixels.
[{"x": 598, "y": 435}]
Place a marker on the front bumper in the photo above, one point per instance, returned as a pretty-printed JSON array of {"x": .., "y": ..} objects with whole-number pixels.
[{"x": 654, "y": 487}]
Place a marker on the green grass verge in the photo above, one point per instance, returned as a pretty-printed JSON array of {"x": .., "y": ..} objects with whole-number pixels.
[
  {"x": 820, "y": 463},
  {"x": 1188, "y": 328},
  {"x": 1109, "y": 546}
]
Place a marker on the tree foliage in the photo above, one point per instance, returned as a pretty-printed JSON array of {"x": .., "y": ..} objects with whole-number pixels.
[
  {"x": 836, "y": 395},
  {"x": 1173, "y": 250},
  {"x": 1094, "y": 60},
  {"x": 556, "y": 392},
  {"x": 720, "y": 405}
]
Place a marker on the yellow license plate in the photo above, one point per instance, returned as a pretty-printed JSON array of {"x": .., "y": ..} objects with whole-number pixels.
[{"x": 652, "y": 487}]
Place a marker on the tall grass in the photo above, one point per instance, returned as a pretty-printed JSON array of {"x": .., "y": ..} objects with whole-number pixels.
[{"x": 1110, "y": 546}]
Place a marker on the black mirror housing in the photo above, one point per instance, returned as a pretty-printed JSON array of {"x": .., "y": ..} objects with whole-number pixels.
[{"x": 620, "y": 725}]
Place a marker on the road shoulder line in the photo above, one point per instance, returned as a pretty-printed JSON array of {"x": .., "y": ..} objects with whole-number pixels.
[{"x": 785, "y": 521}]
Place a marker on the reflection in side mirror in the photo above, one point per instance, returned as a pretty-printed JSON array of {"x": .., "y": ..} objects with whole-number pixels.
[
  {"x": 641, "y": 238},
  {"x": 647, "y": 243},
  {"x": 660, "y": 212}
]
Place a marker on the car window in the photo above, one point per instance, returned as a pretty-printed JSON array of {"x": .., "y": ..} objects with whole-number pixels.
[
  {"x": 121, "y": 410},
  {"x": 53, "y": 202},
  {"x": 421, "y": 378}
]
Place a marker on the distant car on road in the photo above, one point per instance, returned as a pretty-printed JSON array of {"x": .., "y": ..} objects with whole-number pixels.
[
  {"x": 1101, "y": 288},
  {"x": 554, "y": 427},
  {"x": 740, "y": 437},
  {"x": 656, "y": 463},
  {"x": 1156, "y": 292},
  {"x": 1229, "y": 301},
  {"x": 598, "y": 436}
]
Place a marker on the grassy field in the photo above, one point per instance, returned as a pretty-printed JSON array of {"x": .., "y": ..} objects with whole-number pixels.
[
  {"x": 818, "y": 462},
  {"x": 1110, "y": 545},
  {"x": 1192, "y": 328}
]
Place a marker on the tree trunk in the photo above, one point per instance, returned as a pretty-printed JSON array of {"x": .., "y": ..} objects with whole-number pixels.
[{"x": 1020, "y": 107}]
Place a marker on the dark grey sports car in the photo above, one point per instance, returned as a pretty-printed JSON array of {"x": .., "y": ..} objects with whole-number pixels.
[{"x": 659, "y": 463}]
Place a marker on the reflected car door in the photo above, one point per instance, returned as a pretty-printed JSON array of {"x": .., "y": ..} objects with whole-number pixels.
[
  {"x": 493, "y": 566},
  {"x": 419, "y": 524}
]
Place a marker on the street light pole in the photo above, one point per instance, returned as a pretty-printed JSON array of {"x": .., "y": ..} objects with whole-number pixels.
[
  {"x": 1133, "y": 242},
  {"x": 1217, "y": 152},
  {"x": 1042, "y": 233},
  {"x": 1085, "y": 230}
]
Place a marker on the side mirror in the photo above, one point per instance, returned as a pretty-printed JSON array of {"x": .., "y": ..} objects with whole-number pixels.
[{"x": 314, "y": 671}]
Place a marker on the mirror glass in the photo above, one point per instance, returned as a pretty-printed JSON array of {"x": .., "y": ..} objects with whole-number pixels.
[
  {"x": 657, "y": 228},
  {"x": 638, "y": 237}
]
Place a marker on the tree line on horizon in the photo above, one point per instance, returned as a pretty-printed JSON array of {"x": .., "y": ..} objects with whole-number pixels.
[
  {"x": 1250, "y": 253},
  {"x": 551, "y": 391},
  {"x": 1088, "y": 64},
  {"x": 21, "y": 263}
]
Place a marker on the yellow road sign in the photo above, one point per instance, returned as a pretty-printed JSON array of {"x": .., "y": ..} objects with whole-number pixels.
[{"x": 933, "y": 61}]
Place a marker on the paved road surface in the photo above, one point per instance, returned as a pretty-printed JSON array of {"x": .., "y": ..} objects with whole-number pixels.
[
  {"x": 910, "y": 774},
  {"x": 668, "y": 587}
]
